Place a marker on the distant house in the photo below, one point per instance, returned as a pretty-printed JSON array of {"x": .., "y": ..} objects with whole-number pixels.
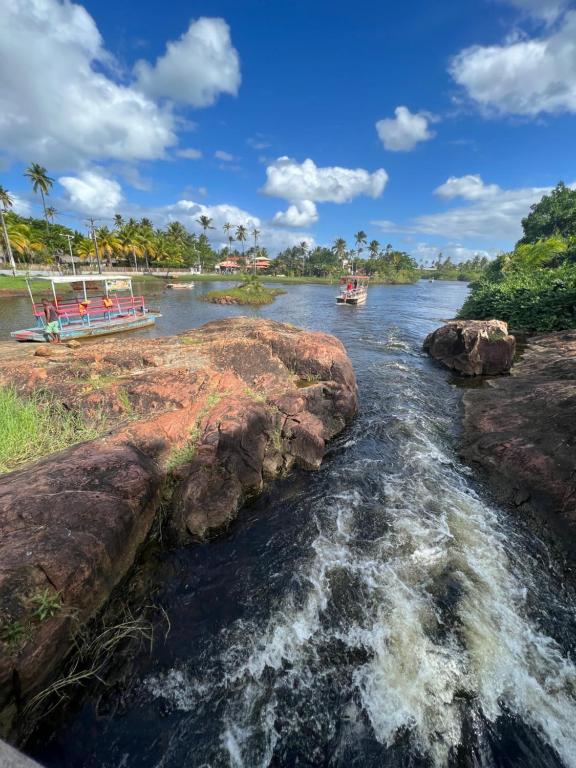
[{"x": 229, "y": 266}]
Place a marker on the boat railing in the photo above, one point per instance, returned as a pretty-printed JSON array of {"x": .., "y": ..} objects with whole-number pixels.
[{"x": 73, "y": 311}]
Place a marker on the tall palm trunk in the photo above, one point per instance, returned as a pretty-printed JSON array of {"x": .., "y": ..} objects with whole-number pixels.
[
  {"x": 44, "y": 206},
  {"x": 8, "y": 244}
]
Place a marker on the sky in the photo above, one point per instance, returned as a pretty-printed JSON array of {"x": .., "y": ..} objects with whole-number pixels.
[{"x": 432, "y": 126}]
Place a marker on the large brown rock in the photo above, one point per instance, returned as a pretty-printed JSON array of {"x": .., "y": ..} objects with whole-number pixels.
[
  {"x": 521, "y": 431},
  {"x": 203, "y": 419},
  {"x": 473, "y": 347}
]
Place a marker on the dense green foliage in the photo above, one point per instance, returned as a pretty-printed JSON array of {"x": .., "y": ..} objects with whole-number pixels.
[
  {"x": 554, "y": 215},
  {"x": 533, "y": 288},
  {"x": 467, "y": 271},
  {"x": 34, "y": 427}
]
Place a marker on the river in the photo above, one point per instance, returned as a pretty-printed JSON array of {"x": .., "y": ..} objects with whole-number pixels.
[{"x": 379, "y": 612}]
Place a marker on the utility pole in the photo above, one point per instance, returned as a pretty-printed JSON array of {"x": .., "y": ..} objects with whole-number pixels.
[
  {"x": 95, "y": 241},
  {"x": 8, "y": 243},
  {"x": 70, "y": 238}
]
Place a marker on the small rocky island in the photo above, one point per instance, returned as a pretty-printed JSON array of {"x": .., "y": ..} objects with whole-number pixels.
[{"x": 195, "y": 425}]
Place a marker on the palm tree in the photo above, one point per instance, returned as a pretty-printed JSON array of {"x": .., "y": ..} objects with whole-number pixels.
[
  {"x": 21, "y": 239},
  {"x": 85, "y": 249},
  {"x": 108, "y": 243},
  {"x": 304, "y": 251},
  {"x": 340, "y": 249},
  {"x": 227, "y": 227},
  {"x": 119, "y": 220},
  {"x": 40, "y": 182},
  {"x": 7, "y": 202},
  {"x": 51, "y": 213},
  {"x": 255, "y": 235},
  {"x": 374, "y": 249},
  {"x": 360, "y": 239},
  {"x": 241, "y": 234},
  {"x": 205, "y": 222}
]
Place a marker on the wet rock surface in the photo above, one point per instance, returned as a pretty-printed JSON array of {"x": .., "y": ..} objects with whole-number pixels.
[
  {"x": 473, "y": 347},
  {"x": 521, "y": 431},
  {"x": 201, "y": 420}
]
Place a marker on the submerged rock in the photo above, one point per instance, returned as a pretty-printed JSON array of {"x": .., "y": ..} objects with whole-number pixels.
[
  {"x": 473, "y": 347},
  {"x": 201, "y": 420},
  {"x": 521, "y": 430}
]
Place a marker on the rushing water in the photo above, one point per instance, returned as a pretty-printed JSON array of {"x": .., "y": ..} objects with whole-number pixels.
[{"x": 379, "y": 612}]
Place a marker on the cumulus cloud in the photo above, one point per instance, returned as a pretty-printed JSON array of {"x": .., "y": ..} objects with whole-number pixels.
[
  {"x": 470, "y": 187},
  {"x": 189, "y": 153},
  {"x": 56, "y": 104},
  {"x": 402, "y": 132},
  {"x": 92, "y": 193},
  {"x": 195, "y": 69},
  {"x": 522, "y": 76},
  {"x": 300, "y": 214},
  {"x": 295, "y": 182},
  {"x": 20, "y": 206},
  {"x": 492, "y": 214}
]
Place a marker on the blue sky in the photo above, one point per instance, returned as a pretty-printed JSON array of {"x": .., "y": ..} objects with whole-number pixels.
[{"x": 433, "y": 126}]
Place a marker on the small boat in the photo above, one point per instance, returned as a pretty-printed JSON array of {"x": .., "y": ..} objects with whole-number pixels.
[
  {"x": 353, "y": 289},
  {"x": 186, "y": 286},
  {"x": 96, "y": 305}
]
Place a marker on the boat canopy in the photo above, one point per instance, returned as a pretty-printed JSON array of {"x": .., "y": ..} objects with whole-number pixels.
[{"x": 67, "y": 279}]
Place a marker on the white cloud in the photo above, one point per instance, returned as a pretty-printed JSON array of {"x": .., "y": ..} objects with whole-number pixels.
[
  {"x": 295, "y": 181},
  {"x": 494, "y": 214},
  {"x": 92, "y": 194},
  {"x": 224, "y": 156},
  {"x": 258, "y": 142},
  {"x": 56, "y": 104},
  {"x": 20, "y": 206},
  {"x": 300, "y": 214},
  {"x": 470, "y": 187},
  {"x": 195, "y": 69},
  {"x": 189, "y": 154},
  {"x": 403, "y": 132},
  {"x": 549, "y": 10},
  {"x": 522, "y": 76}
]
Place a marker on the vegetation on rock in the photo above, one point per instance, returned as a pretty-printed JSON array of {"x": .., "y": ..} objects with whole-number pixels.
[{"x": 249, "y": 291}]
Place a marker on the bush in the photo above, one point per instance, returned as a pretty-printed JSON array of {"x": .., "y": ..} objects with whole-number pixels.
[{"x": 528, "y": 298}]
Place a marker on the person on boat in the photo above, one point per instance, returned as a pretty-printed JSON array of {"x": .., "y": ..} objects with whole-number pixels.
[{"x": 52, "y": 324}]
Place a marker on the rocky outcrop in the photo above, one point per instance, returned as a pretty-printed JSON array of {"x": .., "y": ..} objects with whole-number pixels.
[
  {"x": 473, "y": 347},
  {"x": 521, "y": 431},
  {"x": 201, "y": 420}
]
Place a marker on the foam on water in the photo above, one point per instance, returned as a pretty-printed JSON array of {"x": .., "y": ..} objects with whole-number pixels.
[{"x": 407, "y": 616}]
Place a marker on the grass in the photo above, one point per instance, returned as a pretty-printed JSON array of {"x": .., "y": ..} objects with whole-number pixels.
[
  {"x": 34, "y": 427},
  {"x": 48, "y": 604},
  {"x": 180, "y": 456},
  {"x": 253, "y": 298}
]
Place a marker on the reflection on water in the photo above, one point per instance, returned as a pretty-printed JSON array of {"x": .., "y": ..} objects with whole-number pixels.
[{"x": 379, "y": 612}]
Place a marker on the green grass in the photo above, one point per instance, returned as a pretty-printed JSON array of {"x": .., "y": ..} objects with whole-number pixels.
[
  {"x": 251, "y": 292},
  {"x": 34, "y": 427},
  {"x": 47, "y": 604}
]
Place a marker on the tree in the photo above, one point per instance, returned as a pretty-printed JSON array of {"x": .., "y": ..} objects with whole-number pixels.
[
  {"x": 51, "y": 213},
  {"x": 241, "y": 234},
  {"x": 41, "y": 182},
  {"x": 118, "y": 220},
  {"x": 374, "y": 249},
  {"x": 340, "y": 248},
  {"x": 555, "y": 214},
  {"x": 205, "y": 222},
  {"x": 360, "y": 239},
  {"x": 227, "y": 227},
  {"x": 7, "y": 202}
]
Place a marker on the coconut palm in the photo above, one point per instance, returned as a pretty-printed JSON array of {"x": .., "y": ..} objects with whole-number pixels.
[
  {"x": 51, "y": 213},
  {"x": 205, "y": 222},
  {"x": 22, "y": 239},
  {"x": 340, "y": 248},
  {"x": 119, "y": 220},
  {"x": 6, "y": 202},
  {"x": 374, "y": 249},
  {"x": 85, "y": 249},
  {"x": 227, "y": 227},
  {"x": 360, "y": 239},
  {"x": 108, "y": 243},
  {"x": 41, "y": 182},
  {"x": 241, "y": 234}
]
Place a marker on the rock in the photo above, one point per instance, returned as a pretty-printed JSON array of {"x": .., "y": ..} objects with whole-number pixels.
[
  {"x": 214, "y": 414},
  {"x": 473, "y": 347},
  {"x": 73, "y": 344},
  {"x": 521, "y": 432}
]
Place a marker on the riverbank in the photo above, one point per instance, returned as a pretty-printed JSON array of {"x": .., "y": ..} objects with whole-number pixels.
[
  {"x": 519, "y": 431},
  {"x": 198, "y": 423}
]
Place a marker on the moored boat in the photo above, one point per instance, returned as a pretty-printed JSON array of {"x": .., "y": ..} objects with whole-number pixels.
[
  {"x": 180, "y": 285},
  {"x": 353, "y": 289},
  {"x": 93, "y": 305}
]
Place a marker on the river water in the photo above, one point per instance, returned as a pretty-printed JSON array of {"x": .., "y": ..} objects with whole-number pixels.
[{"x": 379, "y": 612}]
